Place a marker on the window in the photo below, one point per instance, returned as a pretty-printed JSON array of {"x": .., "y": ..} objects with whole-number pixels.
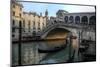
[
  {"x": 13, "y": 30},
  {"x": 92, "y": 20},
  {"x": 71, "y": 19},
  {"x": 33, "y": 27},
  {"x": 20, "y": 8},
  {"x": 55, "y": 21},
  {"x": 66, "y": 19},
  {"x": 13, "y": 6},
  {"x": 38, "y": 24},
  {"x": 13, "y": 13},
  {"x": 13, "y": 23},
  {"x": 38, "y": 28},
  {"x": 33, "y": 23},
  {"x": 13, "y": 35},
  {"x": 43, "y": 24},
  {"x": 20, "y": 14},
  {"x": 29, "y": 26},
  {"x": 23, "y": 23},
  {"x": 84, "y": 20},
  {"x": 77, "y": 19}
]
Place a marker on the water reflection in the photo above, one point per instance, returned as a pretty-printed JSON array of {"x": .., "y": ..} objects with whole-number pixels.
[
  {"x": 56, "y": 42},
  {"x": 51, "y": 44},
  {"x": 30, "y": 54}
]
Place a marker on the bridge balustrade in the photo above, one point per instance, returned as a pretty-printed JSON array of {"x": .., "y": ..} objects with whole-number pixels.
[{"x": 72, "y": 25}]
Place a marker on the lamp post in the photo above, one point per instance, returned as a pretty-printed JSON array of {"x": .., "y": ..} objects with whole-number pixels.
[{"x": 19, "y": 43}]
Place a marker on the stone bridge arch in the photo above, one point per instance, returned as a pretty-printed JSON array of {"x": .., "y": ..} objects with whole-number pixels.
[
  {"x": 73, "y": 30},
  {"x": 46, "y": 31}
]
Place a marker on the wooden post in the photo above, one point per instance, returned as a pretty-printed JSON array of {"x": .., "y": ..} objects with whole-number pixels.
[
  {"x": 79, "y": 42},
  {"x": 19, "y": 44}
]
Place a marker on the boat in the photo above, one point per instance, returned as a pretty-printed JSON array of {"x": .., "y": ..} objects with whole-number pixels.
[
  {"x": 52, "y": 45},
  {"x": 55, "y": 49}
]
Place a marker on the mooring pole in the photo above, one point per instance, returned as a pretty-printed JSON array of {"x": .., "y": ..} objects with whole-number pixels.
[
  {"x": 70, "y": 45},
  {"x": 79, "y": 42},
  {"x": 19, "y": 44}
]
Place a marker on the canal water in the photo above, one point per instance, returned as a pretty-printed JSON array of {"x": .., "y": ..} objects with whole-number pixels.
[{"x": 31, "y": 55}]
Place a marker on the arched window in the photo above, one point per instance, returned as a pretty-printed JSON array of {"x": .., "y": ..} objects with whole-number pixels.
[
  {"x": 38, "y": 26},
  {"x": 24, "y": 23},
  {"x": 55, "y": 21},
  {"x": 20, "y": 23},
  {"x": 66, "y": 19},
  {"x": 33, "y": 23},
  {"x": 29, "y": 26},
  {"x": 71, "y": 19},
  {"x": 84, "y": 20},
  {"x": 92, "y": 20},
  {"x": 77, "y": 19}
]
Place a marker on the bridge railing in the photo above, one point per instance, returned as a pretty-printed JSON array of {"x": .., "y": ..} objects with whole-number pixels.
[{"x": 73, "y": 25}]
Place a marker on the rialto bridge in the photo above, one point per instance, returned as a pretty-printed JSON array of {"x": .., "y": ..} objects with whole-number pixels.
[{"x": 81, "y": 25}]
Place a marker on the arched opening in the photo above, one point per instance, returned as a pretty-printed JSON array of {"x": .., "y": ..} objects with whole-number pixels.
[
  {"x": 77, "y": 19},
  {"x": 71, "y": 19},
  {"x": 92, "y": 20},
  {"x": 66, "y": 19},
  {"x": 59, "y": 37},
  {"x": 29, "y": 23},
  {"x": 55, "y": 21},
  {"x": 84, "y": 20},
  {"x": 57, "y": 33},
  {"x": 56, "y": 39}
]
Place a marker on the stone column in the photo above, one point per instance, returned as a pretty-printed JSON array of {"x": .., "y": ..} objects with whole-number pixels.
[
  {"x": 76, "y": 57},
  {"x": 69, "y": 41}
]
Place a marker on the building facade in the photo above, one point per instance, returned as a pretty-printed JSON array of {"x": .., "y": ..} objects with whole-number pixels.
[
  {"x": 31, "y": 21},
  {"x": 79, "y": 19},
  {"x": 17, "y": 17}
]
